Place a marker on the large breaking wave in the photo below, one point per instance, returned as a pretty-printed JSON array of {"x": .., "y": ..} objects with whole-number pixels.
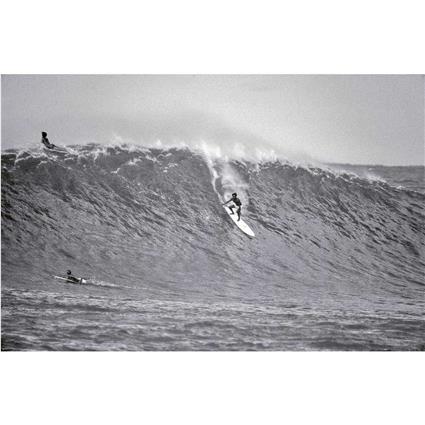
[{"x": 152, "y": 217}]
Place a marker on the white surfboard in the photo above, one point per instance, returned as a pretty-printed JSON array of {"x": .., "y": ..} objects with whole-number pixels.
[
  {"x": 56, "y": 150},
  {"x": 241, "y": 224}
]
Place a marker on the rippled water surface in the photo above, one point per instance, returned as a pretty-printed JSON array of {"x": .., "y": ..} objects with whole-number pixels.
[{"x": 337, "y": 262}]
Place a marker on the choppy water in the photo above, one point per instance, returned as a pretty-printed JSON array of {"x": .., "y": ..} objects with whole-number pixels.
[{"x": 337, "y": 262}]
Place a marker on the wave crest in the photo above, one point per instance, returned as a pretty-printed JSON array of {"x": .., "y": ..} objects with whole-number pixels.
[{"x": 134, "y": 212}]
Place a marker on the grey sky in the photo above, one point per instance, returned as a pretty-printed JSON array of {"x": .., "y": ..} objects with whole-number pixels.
[{"x": 356, "y": 119}]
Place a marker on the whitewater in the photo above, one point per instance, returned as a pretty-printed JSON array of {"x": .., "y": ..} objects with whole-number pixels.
[{"x": 337, "y": 262}]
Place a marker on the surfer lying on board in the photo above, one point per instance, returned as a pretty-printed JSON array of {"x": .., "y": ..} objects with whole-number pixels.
[
  {"x": 72, "y": 278},
  {"x": 236, "y": 203},
  {"x": 45, "y": 141}
]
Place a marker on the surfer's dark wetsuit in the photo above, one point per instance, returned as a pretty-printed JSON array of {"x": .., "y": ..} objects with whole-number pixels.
[
  {"x": 72, "y": 278},
  {"x": 237, "y": 203},
  {"x": 45, "y": 141}
]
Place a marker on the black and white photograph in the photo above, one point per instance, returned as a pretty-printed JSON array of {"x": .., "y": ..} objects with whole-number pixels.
[{"x": 213, "y": 212}]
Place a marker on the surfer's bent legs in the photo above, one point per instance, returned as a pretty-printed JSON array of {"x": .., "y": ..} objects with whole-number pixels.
[{"x": 238, "y": 211}]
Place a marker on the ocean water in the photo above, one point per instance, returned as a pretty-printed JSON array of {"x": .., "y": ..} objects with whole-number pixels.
[{"x": 337, "y": 262}]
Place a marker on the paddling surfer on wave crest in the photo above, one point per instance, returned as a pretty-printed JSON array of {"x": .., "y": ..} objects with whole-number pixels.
[
  {"x": 236, "y": 204},
  {"x": 45, "y": 141}
]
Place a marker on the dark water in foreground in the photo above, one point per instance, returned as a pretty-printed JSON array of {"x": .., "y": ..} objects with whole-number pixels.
[{"x": 337, "y": 262}]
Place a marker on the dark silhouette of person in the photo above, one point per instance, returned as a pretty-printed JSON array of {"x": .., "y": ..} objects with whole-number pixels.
[
  {"x": 45, "y": 141},
  {"x": 236, "y": 204}
]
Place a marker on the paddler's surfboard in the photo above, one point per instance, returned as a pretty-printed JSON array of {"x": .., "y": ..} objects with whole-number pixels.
[
  {"x": 241, "y": 224},
  {"x": 70, "y": 281},
  {"x": 55, "y": 150}
]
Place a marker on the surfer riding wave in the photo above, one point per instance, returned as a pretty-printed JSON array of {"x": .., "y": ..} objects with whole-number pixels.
[{"x": 236, "y": 204}]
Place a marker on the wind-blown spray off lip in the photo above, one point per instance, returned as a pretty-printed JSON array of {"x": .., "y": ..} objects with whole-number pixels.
[{"x": 224, "y": 175}]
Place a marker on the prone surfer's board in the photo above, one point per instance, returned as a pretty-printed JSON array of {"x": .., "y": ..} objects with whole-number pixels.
[
  {"x": 55, "y": 150},
  {"x": 70, "y": 281},
  {"x": 241, "y": 224}
]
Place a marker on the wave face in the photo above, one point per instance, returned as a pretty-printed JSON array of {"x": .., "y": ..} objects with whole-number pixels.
[{"x": 338, "y": 253}]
